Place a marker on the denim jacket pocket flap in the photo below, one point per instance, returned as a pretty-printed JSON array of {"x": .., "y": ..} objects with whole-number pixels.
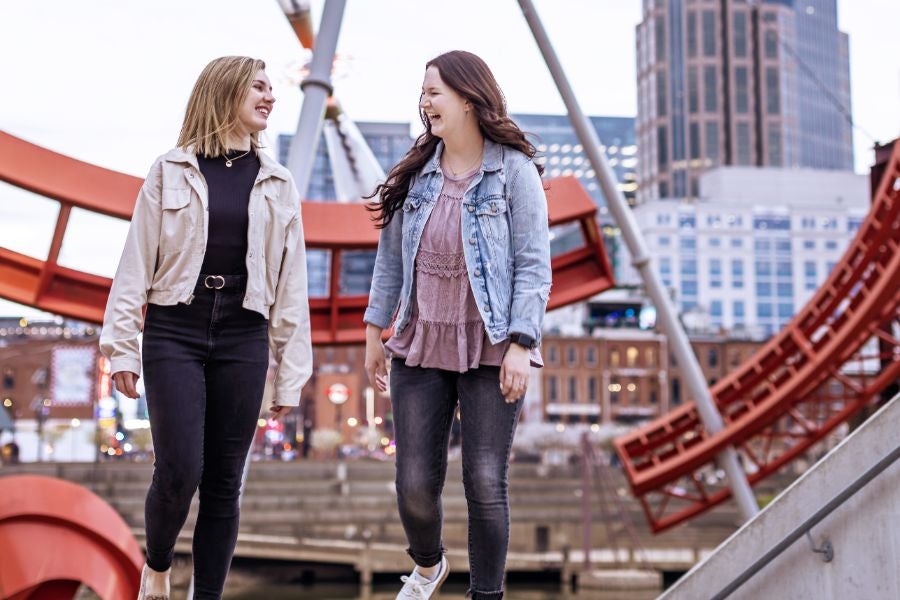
[
  {"x": 491, "y": 206},
  {"x": 175, "y": 199}
]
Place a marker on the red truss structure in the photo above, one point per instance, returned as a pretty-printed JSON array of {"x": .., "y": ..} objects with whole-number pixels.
[
  {"x": 837, "y": 354},
  {"x": 340, "y": 228}
]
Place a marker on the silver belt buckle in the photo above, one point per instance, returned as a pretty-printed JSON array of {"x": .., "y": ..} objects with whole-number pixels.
[{"x": 210, "y": 281}]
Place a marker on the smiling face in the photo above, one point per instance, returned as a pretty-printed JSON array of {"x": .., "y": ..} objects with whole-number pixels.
[
  {"x": 444, "y": 109},
  {"x": 253, "y": 114}
]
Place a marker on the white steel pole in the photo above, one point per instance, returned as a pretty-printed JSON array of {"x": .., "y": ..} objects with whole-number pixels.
[{"x": 678, "y": 340}]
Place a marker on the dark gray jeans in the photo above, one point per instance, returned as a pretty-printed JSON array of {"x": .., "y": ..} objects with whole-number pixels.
[
  {"x": 424, "y": 402},
  {"x": 205, "y": 369}
]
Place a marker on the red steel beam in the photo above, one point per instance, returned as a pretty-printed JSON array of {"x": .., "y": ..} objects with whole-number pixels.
[
  {"x": 337, "y": 227},
  {"x": 668, "y": 460}
]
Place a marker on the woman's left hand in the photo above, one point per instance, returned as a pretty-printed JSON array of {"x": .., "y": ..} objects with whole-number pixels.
[
  {"x": 277, "y": 412},
  {"x": 514, "y": 372}
]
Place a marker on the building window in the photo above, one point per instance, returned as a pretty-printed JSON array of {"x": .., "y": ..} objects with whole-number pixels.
[
  {"x": 631, "y": 356},
  {"x": 688, "y": 266},
  {"x": 744, "y": 154},
  {"x": 809, "y": 244},
  {"x": 692, "y": 33},
  {"x": 764, "y": 310},
  {"x": 776, "y": 156},
  {"x": 741, "y": 90},
  {"x": 661, "y": 99},
  {"x": 715, "y": 311},
  {"x": 686, "y": 221},
  {"x": 709, "y": 33},
  {"x": 573, "y": 389},
  {"x": 783, "y": 246},
  {"x": 771, "y": 43},
  {"x": 831, "y": 245},
  {"x": 551, "y": 354},
  {"x": 773, "y": 99},
  {"x": 693, "y": 91},
  {"x": 592, "y": 388},
  {"x": 710, "y": 90},
  {"x": 552, "y": 391},
  {"x": 571, "y": 355},
  {"x": 711, "y": 130},
  {"x": 715, "y": 272},
  {"x": 676, "y": 391},
  {"x": 737, "y": 243},
  {"x": 713, "y": 357},
  {"x": 737, "y": 309},
  {"x": 715, "y": 242},
  {"x": 695, "y": 141},
  {"x": 662, "y": 150},
  {"x": 650, "y": 357},
  {"x": 664, "y": 240},
  {"x": 665, "y": 265},
  {"x": 660, "y": 26},
  {"x": 614, "y": 357},
  {"x": 740, "y": 34},
  {"x": 590, "y": 355}
]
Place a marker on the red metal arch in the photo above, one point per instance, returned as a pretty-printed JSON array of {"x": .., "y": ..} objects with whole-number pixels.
[
  {"x": 340, "y": 228},
  {"x": 776, "y": 405},
  {"x": 55, "y": 536}
]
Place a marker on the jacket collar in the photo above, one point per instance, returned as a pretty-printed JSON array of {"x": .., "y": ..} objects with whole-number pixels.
[
  {"x": 491, "y": 158},
  {"x": 268, "y": 167}
]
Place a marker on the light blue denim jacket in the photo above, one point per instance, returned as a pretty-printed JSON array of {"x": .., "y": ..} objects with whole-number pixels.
[{"x": 506, "y": 242}]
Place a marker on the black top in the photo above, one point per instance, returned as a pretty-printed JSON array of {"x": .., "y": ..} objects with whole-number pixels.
[{"x": 229, "y": 197}]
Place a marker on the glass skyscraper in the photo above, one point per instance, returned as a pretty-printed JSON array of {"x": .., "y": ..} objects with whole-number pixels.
[{"x": 733, "y": 82}]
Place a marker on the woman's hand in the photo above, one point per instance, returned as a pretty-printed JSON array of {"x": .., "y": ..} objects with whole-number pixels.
[
  {"x": 277, "y": 412},
  {"x": 126, "y": 383},
  {"x": 514, "y": 372},
  {"x": 376, "y": 368}
]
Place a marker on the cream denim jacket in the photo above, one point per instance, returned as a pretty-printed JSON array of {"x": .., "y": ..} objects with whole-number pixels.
[{"x": 164, "y": 251}]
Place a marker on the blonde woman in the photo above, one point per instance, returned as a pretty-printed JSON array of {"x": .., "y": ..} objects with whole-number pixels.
[{"x": 215, "y": 251}]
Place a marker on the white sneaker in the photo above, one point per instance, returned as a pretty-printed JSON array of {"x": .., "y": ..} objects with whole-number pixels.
[
  {"x": 143, "y": 594},
  {"x": 418, "y": 587}
]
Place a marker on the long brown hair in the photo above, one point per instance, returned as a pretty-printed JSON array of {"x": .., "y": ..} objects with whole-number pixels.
[
  {"x": 212, "y": 110},
  {"x": 472, "y": 79}
]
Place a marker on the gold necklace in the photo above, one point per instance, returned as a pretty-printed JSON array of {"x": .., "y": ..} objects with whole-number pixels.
[
  {"x": 466, "y": 170},
  {"x": 230, "y": 161}
]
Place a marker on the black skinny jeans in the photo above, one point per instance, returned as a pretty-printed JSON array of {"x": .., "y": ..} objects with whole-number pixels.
[
  {"x": 205, "y": 369},
  {"x": 424, "y": 402}
]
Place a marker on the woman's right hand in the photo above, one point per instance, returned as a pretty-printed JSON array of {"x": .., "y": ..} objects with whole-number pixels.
[
  {"x": 126, "y": 383},
  {"x": 376, "y": 367}
]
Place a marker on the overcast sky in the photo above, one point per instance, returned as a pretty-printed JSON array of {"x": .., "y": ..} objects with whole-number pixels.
[{"x": 106, "y": 81}]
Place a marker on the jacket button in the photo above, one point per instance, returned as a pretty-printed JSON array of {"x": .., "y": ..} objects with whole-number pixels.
[
  {"x": 472, "y": 240},
  {"x": 477, "y": 272},
  {"x": 487, "y": 308},
  {"x": 471, "y": 209}
]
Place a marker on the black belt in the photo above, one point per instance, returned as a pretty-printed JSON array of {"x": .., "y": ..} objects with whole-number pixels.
[{"x": 221, "y": 282}]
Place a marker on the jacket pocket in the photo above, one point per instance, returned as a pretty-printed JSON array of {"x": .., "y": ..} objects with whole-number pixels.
[
  {"x": 493, "y": 221},
  {"x": 177, "y": 223}
]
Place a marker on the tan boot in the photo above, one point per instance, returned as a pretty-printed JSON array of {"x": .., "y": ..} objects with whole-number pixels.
[{"x": 143, "y": 594}]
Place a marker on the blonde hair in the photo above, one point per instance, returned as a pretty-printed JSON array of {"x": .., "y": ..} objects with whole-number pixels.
[{"x": 212, "y": 109}]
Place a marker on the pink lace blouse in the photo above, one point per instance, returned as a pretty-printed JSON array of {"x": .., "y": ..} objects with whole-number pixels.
[{"x": 445, "y": 329}]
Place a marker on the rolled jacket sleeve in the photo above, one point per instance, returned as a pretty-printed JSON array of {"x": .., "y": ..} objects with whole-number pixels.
[
  {"x": 124, "y": 316},
  {"x": 531, "y": 251},
  {"x": 290, "y": 338}
]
